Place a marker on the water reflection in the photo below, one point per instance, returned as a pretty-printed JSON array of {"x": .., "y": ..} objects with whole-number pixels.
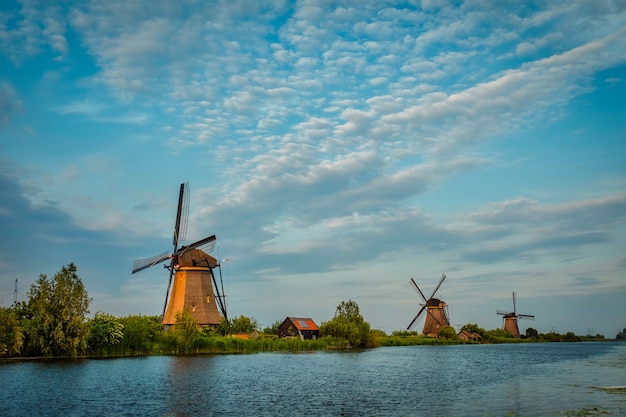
[{"x": 189, "y": 385}]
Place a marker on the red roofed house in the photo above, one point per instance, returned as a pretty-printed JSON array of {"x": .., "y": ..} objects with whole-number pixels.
[{"x": 305, "y": 328}]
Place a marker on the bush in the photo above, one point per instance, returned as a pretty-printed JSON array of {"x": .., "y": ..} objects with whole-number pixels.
[{"x": 348, "y": 328}]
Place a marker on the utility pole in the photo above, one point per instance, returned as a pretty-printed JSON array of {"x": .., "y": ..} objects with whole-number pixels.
[{"x": 15, "y": 293}]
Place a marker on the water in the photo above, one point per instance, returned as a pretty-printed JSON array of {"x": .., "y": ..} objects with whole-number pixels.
[{"x": 464, "y": 380}]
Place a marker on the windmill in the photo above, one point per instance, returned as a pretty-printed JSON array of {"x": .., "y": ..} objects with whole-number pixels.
[
  {"x": 436, "y": 310},
  {"x": 191, "y": 278},
  {"x": 509, "y": 319}
]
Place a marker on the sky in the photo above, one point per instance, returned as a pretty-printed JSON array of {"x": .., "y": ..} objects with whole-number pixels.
[{"x": 336, "y": 150}]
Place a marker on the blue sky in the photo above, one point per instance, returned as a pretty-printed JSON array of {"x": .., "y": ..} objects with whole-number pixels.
[{"x": 335, "y": 150}]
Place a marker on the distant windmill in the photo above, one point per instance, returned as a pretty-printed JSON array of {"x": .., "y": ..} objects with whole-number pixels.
[
  {"x": 509, "y": 319},
  {"x": 194, "y": 285},
  {"x": 436, "y": 310}
]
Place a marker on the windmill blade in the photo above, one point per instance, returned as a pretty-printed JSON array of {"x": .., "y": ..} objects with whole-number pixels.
[
  {"x": 526, "y": 316},
  {"x": 207, "y": 247},
  {"x": 514, "y": 307},
  {"x": 169, "y": 285},
  {"x": 412, "y": 282},
  {"x": 443, "y": 276},
  {"x": 502, "y": 312},
  {"x": 180, "y": 232},
  {"x": 182, "y": 215},
  {"x": 141, "y": 264},
  {"x": 208, "y": 243},
  {"x": 416, "y": 317}
]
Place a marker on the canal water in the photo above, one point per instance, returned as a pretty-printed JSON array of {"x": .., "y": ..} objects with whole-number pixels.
[{"x": 536, "y": 379}]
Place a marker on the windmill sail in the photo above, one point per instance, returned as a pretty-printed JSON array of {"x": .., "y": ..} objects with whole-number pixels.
[
  {"x": 208, "y": 243},
  {"x": 182, "y": 215},
  {"x": 141, "y": 264}
]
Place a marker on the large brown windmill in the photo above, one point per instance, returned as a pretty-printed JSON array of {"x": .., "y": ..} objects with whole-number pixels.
[
  {"x": 192, "y": 268},
  {"x": 509, "y": 319},
  {"x": 436, "y": 310}
]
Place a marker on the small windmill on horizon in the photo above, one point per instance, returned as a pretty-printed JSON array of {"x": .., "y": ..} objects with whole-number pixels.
[
  {"x": 436, "y": 310},
  {"x": 510, "y": 318}
]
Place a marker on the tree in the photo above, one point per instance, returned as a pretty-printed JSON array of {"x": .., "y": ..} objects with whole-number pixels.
[
  {"x": 225, "y": 327},
  {"x": 104, "y": 331},
  {"x": 185, "y": 329},
  {"x": 496, "y": 336},
  {"x": 11, "y": 333},
  {"x": 447, "y": 332},
  {"x": 530, "y": 332},
  {"x": 243, "y": 324},
  {"x": 348, "y": 325},
  {"x": 350, "y": 311},
  {"x": 57, "y": 310},
  {"x": 273, "y": 329},
  {"x": 141, "y": 333}
]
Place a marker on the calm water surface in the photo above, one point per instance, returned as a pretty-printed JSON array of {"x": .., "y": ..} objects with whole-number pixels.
[{"x": 465, "y": 380}]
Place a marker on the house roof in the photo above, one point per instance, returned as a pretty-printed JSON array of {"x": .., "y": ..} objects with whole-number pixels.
[
  {"x": 303, "y": 323},
  {"x": 471, "y": 335}
]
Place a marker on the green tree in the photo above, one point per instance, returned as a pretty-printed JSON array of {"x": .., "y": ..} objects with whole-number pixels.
[
  {"x": 141, "y": 333},
  {"x": 57, "y": 310},
  {"x": 186, "y": 329},
  {"x": 348, "y": 325},
  {"x": 447, "y": 332},
  {"x": 225, "y": 327},
  {"x": 496, "y": 336},
  {"x": 530, "y": 332},
  {"x": 104, "y": 331},
  {"x": 350, "y": 311},
  {"x": 273, "y": 329},
  {"x": 243, "y": 324},
  {"x": 11, "y": 333}
]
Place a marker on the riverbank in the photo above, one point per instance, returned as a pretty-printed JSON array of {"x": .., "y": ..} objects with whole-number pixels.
[{"x": 224, "y": 345}]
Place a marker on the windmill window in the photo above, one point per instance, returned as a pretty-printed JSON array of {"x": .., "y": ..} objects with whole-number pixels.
[
  {"x": 193, "y": 308},
  {"x": 208, "y": 299}
]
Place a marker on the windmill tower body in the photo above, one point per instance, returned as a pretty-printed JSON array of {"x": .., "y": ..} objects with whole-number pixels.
[
  {"x": 436, "y": 317},
  {"x": 192, "y": 288},
  {"x": 510, "y": 326},
  {"x": 190, "y": 283}
]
